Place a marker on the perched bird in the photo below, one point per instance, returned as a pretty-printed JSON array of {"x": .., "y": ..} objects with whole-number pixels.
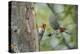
[
  {"x": 55, "y": 24},
  {"x": 41, "y": 30}
]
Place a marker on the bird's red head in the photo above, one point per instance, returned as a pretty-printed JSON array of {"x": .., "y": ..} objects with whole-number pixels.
[
  {"x": 43, "y": 25},
  {"x": 62, "y": 29}
]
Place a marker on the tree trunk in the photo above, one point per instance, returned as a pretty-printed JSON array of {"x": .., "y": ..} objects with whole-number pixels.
[{"x": 23, "y": 36}]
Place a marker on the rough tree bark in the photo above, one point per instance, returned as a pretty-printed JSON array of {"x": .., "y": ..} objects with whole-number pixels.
[{"x": 23, "y": 32}]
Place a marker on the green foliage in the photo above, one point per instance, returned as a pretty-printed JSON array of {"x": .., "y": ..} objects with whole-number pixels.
[{"x": 68, "y": 19}]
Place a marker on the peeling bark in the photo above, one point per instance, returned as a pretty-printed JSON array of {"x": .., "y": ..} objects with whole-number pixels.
[{"x": 23, "y": 32}]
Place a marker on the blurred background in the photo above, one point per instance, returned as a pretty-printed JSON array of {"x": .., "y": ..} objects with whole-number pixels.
[{"x": 66, "y": 16}]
